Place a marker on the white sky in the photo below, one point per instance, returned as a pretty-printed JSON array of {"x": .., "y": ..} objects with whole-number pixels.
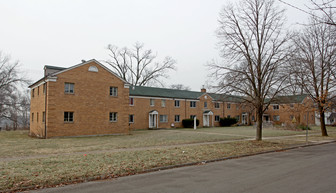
[{"x": 63, "y": 32}]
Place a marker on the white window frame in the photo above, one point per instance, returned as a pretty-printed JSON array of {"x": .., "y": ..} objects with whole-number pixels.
[
  {"x": 228, "y": 105},
  {"x": 163, "y": 118},
  {"x": 217, "y": 116},
  {"x": 276, "y": 117},
  {"x": 113, "y": 116},
  {"x": 69, "y": 88},
  {"x": 177, "y": 103},
  {"x": 129, "y": 118},
  {"x": 163, "y": 102},
  {"x": 216, "y": 105},
  {"x": 276, "y": 107},
  {"x": 113, "y": 91},
  {"x": 69, "y": 118},
  {"x": 177, "y": 118},
  {"x": 131, "y": 101},
  {"x": 151, "y": 102},
  {"x": 205, "y": 104},
  {"x": 192, "y": 104}
]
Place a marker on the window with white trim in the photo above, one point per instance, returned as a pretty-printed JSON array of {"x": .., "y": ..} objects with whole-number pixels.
[
  {"x": 163, "y": 118},
  {"x": 131, "y": 101},
  {"x": 163, "y": 103},
  {"x": 177, "y": 103},
  {"x": 276, "y": 118},
  {"x": 217, "y": 118},
  {"x": 177, "y": 118},
  {"x": 151, "y": 102},
  {"x": 228, "y": 106},
  {"x": 192, "y": 104},
  {"x": 69, "y": 88},
  {"x": 216, "y": 105},
  {"x": 113, "y": 116},
  {"x": 205, "y": 104},
  {"x": 113, "y": 91},
  {"x": 68, "y": 117},
  {"x": 131, "y": 119},
  {"x": 275, "y": 107}
]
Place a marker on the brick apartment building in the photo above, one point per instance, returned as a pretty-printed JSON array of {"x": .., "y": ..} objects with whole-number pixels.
[{"x": 89, "y": 99}]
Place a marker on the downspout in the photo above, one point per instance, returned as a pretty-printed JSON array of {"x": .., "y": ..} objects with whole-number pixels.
[
  {"x": 45, "y": 108},
  {"x": 185, "y": 108}
]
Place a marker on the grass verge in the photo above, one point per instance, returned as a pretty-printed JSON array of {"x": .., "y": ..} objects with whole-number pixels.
[{"x": 57, "y": 170}]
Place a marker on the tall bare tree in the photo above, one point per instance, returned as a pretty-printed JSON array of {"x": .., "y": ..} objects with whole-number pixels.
[
  {"x": 315, "y": 59},
  {"x": 253, "y": 45},
  {"x": 9, "y": 81},
  {"x": 138, "y": 66}
]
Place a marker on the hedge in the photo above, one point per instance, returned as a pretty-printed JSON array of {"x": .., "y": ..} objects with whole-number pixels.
[
  {"x": 226, "y": 122},
  {"x": 189, "y": 123}
]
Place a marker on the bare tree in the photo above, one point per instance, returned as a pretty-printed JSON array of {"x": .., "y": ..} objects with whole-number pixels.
[
  {"x": 252, "y": 44},
  {"x": 10, "y": 79},
  {"x": 138, "y": 66},
  {"x": 326, "y": 8},
  {"x": 315, "y": 57},
  {"x": 180, "y": 87}
]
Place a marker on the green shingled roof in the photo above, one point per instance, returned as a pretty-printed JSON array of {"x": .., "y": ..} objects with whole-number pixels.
[
  {"x": 163, "y": 92},
  {"x": 289, "y": 99},
  {"x": 180, "y": 94},
  {"x": 185, "y": 94}
]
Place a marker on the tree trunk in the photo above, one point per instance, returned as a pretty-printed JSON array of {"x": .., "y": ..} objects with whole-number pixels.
[
  {"x": 259, "y": 124},
  {"x": 322, "y": 121}
]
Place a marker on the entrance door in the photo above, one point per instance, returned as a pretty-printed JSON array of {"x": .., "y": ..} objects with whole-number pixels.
[
  {"x": 244, "y": 118},
  {"x": 266, "y": 117},
  {"x": 206, "y": 120},
  {"x": 152, "y": 121}
]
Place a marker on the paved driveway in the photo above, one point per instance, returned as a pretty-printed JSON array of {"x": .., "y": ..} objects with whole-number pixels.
[{"x": 310, "y": 169}]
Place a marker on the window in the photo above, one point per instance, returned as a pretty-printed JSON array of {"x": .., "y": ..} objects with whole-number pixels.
[
  {"x": 217, "y": 118},
  {"x": 238, "y": 118},
  {"x": 237, "y": 106},
  {"x": 32, "y": 117},
  {"x": 151, "y": 102},
  {"x": 113, "y": 91},
  {"x": 229, "y": 116},
  {"x": 313, "y": 118},
  {"x": 253, "y": 118},
  {"x": 163, "y": 118},
  {"x": 275, "y": 107},
  {"x": 38, "y": 90},
  {"x": 217, "y": 105},
  {"x": 131, "y": 119},
  {"x": 43, "y": 117},
  {"x": 69, "y": 88},
  {"x": 276, "y": 118},
  {"x": 193, "y": 104},
  {"x": 291, "y": 105},
  {"x": 44, "y": 88},
  {"x": 205, "y": 105},
  {"x": 113, "y": 117},
  {"x": 291, "y": 117},
  {"x": 177, "y": 103},
  {"x": 131, "y": 101},
  {"x": 228, "y": 106},
  {"x": 192, "y": 116},
  {"x": 68, "y": 116},
  {"x": 33, "y": 92},
  {"x": 37, "y": 115},
  {"x": 163, "y": 103},
  {"x": 93, "y": 69},
  {"x": 177, "y": 118}
]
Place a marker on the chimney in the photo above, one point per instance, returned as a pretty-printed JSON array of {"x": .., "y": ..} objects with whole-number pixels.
[{"x": 203, "y": 90}]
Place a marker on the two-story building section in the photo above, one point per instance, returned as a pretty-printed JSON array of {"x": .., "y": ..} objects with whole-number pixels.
[
  {"x": 85, "y": 99},
  {"x": 89, "y": 99}
]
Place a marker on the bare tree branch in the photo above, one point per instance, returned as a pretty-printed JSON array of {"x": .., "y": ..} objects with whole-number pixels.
[{"x": 137, "y": 65}]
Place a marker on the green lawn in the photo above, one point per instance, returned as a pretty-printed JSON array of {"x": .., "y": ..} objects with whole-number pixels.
[{"x": 26, "y": 161}]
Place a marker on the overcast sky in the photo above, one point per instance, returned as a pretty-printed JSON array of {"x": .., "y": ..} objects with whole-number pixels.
[{"x": 63, "y": 32}]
